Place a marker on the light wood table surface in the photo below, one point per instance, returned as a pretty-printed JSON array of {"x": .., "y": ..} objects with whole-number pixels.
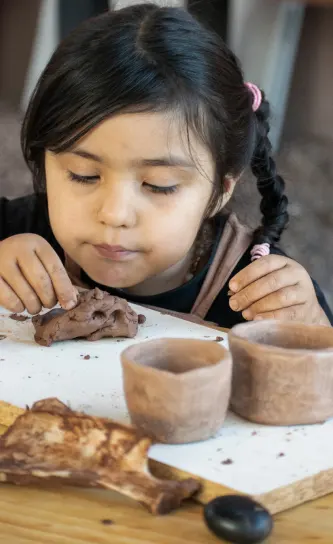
[{"x": 73, "y": 516}]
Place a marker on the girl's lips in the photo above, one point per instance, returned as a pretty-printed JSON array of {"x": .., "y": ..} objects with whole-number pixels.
[{"x": 114, "y": 253}]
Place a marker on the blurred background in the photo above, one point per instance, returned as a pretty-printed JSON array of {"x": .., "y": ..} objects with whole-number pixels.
[{"x": 285, "y": 46}]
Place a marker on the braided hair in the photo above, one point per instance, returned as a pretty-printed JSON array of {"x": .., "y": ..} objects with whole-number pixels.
[{"x": 270, "y": 184}]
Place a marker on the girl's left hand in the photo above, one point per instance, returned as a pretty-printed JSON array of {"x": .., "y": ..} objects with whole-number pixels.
[{"x": 275, "y": 287}]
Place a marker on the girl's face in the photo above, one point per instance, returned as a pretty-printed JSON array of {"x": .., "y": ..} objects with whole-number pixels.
[{"x": 127, "y": 201}]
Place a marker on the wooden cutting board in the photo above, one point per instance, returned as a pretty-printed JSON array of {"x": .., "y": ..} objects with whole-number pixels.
[{"x": 280, "y": 466}]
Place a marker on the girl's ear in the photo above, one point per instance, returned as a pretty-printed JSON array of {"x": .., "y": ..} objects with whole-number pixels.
[{"x": 229, "y": 187}]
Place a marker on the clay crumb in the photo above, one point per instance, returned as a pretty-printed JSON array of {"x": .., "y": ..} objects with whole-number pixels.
[
  {"x": 219, "y": 339},
  {"x": 18, "y": 317},
  {"x": 254, "y": 433},
  {"x": 2, "y": 359},
  {"x": 86, "y": 357},
  {"x": 281, "y": 454},
  {"x": 227, "y": 462},
  {"x": 2, "y": 336},
  {"x": 107, "y": 521},
  {"x": 141, "y": 319}
]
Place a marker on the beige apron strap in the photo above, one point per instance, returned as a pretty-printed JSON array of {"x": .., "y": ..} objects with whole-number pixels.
[
  {"x": 74, "y": 273},
  {"x": 235, "y": 240}
]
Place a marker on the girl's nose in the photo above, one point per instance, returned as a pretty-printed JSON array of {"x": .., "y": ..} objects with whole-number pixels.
[{"x": 117, "y": 205}]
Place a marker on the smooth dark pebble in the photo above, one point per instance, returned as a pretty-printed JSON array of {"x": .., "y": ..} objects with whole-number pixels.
[
  {"x": 219, "y": 339},
  {"x": 86, "y": 357},
  {"x": 141, "y": 319},
  {"x": 107, "y": 521},
  {"x": 238, "y": 519}
]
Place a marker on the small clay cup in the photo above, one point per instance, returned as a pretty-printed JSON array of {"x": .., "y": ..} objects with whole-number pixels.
[
  {"x": 177, "y": 390},
  {"x": 282, "y": 372}
]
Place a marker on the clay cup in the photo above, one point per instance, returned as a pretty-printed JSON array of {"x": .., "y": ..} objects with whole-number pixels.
[
  {"x": 282, "y": 372},
  {"x": 177, "y": 390}
]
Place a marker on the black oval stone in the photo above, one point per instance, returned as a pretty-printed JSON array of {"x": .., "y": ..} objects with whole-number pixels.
[{"x": 238, "y": 519}]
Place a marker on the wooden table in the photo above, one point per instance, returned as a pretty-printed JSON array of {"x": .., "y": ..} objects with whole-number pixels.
[{"x": 74, "y": 516}]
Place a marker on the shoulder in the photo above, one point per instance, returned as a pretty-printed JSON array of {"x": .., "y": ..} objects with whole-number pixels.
[
  {"x": 21, "y": 215},
  {"x": 27, "y": 214}
]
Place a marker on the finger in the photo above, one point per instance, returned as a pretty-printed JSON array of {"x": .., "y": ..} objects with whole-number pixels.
[
  {"x": 65, "y": 292},
  {"x": 23, "y": 289},
  {"x": 9, "y": 299},
  {"x": 40, "y": 281},
  {"x": 294, "y": 313},
  {"x": 256, "y": 270},
  {"x": 275, "y": 281},
  {"x": 284, "y": 298}
]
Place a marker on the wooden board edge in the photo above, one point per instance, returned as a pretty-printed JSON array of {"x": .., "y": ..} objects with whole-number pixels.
[
  {"x": 297, "y": 493},
  {"x": 210, "y": 490}
]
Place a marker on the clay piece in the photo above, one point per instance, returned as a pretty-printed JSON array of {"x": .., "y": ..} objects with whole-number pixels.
[
  {"x": 282, "y": 372},
  {"x": 50, "y": 443},
  {"x": 3, "y": 336},
  {"x": 177, "y": 390},
  {"x": 18, "y": 317},
  {"x": 96, "y": 315}
]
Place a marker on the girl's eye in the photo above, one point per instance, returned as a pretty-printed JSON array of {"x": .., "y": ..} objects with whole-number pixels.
[
  {"x": 82, "y": 179},
  {"x": 161, "y": 190}
]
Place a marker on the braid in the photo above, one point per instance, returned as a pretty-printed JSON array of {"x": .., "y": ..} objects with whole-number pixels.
[{"x": 271, "y": 186}]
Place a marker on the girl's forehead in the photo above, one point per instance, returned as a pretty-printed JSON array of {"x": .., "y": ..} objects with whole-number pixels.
[{"x": 144, "y": 135}]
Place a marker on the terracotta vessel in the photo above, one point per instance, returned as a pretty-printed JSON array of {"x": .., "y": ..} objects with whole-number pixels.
[
  {"x": 282, "y": 372},
  {"x": 177, "y": 390}
]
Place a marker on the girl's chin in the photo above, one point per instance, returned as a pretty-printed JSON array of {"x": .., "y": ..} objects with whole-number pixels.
[{"x": 115, "y": 281}]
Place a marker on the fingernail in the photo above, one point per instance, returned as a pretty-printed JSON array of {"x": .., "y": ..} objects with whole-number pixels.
[
  {"x": 233, "y": 286},
  {"x": 247, "y": 314},
  {"x": 234, "y": 305},
  {"x": 69, "y": 305}
]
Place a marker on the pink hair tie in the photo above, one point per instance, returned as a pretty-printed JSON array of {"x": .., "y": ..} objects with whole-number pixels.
[
  {"x": 257, "y": 96},
  {"x": 260, "y": 250}
]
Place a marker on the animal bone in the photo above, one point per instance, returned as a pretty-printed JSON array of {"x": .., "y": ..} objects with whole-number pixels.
[{"x": 52, "y": 443}]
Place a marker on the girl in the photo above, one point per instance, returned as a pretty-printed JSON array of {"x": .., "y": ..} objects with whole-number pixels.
[{"x": 138, "y": 130}]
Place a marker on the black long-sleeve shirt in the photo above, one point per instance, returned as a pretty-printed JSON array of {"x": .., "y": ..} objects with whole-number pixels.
[{"x": 29, "y": 215}]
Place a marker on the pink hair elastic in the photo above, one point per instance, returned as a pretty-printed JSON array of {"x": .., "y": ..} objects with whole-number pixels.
[
  {"x": 257, "y": 96},
  {"x": 259, "y": 250}
]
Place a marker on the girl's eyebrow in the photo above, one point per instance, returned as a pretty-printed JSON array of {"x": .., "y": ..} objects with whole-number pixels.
[
  {"x": 172, "y": 160},
  {"x": 169, "y": 161},
  {"x": 86, "y": 155}
]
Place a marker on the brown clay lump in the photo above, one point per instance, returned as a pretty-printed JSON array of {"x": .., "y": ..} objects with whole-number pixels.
[{"x": 96, "y": 315}]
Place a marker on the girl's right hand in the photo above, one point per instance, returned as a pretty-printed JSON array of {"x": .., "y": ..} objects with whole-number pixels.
[{"x": 32, "y": 276}]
